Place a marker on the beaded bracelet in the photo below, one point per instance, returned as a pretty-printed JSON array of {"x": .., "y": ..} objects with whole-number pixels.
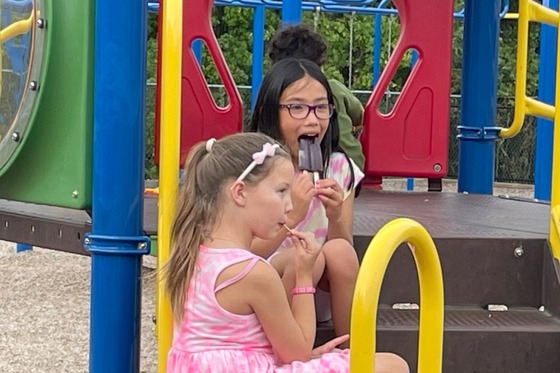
[{"x": 307, "y": 290}]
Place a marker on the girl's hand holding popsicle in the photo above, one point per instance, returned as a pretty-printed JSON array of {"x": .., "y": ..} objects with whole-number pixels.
[
  {"x": 332, "y": 197},
  {"x": 303, "y": 191}
]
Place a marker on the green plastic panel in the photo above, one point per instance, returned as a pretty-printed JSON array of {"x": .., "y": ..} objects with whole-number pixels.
[{"x": 52, "y": 161}]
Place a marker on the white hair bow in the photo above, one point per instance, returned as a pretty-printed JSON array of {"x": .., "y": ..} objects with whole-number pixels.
[
  {"x": 258, "y": 158},
  {"x": 210, "y": 144}
]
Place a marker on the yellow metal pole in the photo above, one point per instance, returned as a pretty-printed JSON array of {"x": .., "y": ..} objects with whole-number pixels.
[
  {"x": 529, "y": 10},
  {"x": 511, "y": 16},
  {"x": 555, "y": 188},
  {"x": 543, "y": 14},
  {"x": 368, "y": 287},
  {"x": 555, "y": 231},
  {"x": 520, "y": 72},
  {"x": 170, "y": 105},
  {"x": 539, "y": 108}
]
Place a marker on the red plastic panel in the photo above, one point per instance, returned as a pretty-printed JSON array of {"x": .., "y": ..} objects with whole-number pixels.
[
  {"x": 201, "y": 118},
  {"x": 412, "y": 139}
]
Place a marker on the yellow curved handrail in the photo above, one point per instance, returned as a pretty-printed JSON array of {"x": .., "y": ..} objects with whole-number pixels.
[
  {"x": 13, "y": 30},
  {"x": 16, "y": 28},
  {"x": 529, "y": 10},
  {"x": 170, "y": 104},
  {"x": 368, "y": 287}
]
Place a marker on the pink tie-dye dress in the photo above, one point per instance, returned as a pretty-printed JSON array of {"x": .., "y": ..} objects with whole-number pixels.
[{"x": 211, "y": 339}]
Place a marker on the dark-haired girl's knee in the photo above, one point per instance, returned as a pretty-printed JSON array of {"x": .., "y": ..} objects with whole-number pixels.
[
  {"x": 341, "y": 258},
  {"x": 386, "y": 362}
]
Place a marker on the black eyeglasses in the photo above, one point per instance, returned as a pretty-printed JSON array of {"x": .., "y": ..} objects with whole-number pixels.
[{"x": 301, "y": 111}]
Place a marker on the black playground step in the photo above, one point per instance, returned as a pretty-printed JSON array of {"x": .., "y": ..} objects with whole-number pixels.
[
  {"x": 493, "y": 251},
  {"x": 476, "y": 271},
  {"x": 479, "y": 273},
  {"x": 520, "y": 340},
  {"x": 523, "y": 340}
]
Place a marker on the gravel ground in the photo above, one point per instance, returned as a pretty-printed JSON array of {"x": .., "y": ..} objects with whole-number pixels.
[
  {"x": 44, "y": 303},
  {"x": 44, "y": 312}
]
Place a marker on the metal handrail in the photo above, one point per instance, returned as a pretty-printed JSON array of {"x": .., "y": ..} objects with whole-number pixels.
[
  {"x": 529, "y": 10},
  {"x": 368, "y": 287},
  {"x": 554, "y": 229}
]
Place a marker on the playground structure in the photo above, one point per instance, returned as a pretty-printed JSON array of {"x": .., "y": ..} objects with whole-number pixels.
[{"x": 117, "y": 240}]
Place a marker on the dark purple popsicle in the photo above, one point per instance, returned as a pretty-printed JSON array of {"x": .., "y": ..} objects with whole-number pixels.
[{"x": 310, "y": 157}]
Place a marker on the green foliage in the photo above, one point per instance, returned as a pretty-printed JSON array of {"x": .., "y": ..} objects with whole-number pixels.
[
  {"x": 151, "y": 61},
  {"x": 151, "y": 73},
  {"x": 233, "y": 29}
]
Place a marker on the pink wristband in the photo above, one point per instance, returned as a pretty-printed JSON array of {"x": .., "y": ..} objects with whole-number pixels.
[{"x": 308, "y": 290}]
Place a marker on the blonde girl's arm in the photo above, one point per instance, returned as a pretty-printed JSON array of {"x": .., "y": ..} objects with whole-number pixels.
[
  {"x": 285, "y": 326},
  {"x": 290, "y": 330}
]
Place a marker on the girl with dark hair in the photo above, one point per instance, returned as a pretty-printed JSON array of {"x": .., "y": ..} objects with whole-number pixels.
[
  {"x": 266, "y": 118},
  {"x": 300, "y": 41},
  {"x": 295, "y": 100}
]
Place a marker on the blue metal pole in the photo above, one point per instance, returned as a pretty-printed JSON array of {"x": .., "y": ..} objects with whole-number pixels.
[
  {"x": 291, "y": 11},
  {"x": 544, "y": 130},
  {"x": 413, "y": 60},
  {"x": 116, "y": 243},
  {"x": 258, "y": 52},
  {"x": 376, "y": 48},
  {"x": 197, "y": 50},
  {"x": 478, "y": 132}
]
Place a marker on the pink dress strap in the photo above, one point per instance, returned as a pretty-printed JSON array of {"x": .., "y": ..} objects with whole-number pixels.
[{"x": 239, "y": 276}]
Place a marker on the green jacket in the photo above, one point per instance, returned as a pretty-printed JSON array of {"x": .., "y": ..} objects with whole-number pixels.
[{"x": 350, "y": 114}]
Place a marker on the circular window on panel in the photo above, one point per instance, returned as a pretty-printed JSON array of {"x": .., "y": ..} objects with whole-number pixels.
[{"x": 21, "y": 43}]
